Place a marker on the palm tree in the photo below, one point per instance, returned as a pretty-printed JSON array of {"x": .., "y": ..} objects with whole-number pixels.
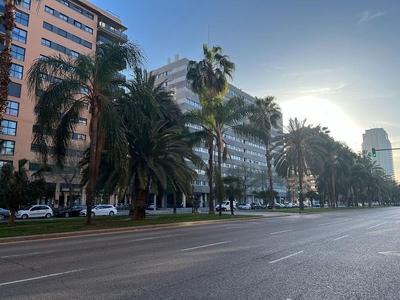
[
  {"x": 90, "y": 80},
  {"x": 264, "y": 115},
  {"x": 208, "y": 79},
  {"x": 8, "y": 21},
  {"x": 157, "y": 144},
  {"x": 301, "y": 150},
  {"x": 17, "y": 188}
]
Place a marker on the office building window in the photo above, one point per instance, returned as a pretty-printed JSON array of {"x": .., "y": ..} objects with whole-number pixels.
[
  {"x": 63, "y": 17},
  {"x": 88, "y": 29},
  {"x": 14, "y": 89},
  {"x": 89, "y": 15},
  {"x": 16, "y": 71},
  {"x": 18, "y": 52},
  {"x": 81, "y": 121},
  {"x": 78, "y": 24},
  {"x": 47, "y": 26},
  {"x": 79, "y": 137},
  {"x": 74, "y": 53},
  {"x": 78, "y": 9},
  {"x": 46, "y": 43},
  {"x": 21, "y": 18},
  {"x": 7, "y": 148},
  {"x": 5, "y": 162},
  {"x": 61, "y": 49},
  {"x": 49, "y": 10},
  {"x": 62, "y": 32},
  {"x": 8, "y": 127},
  {"x": 26, "y": 4},
  {"x": 19, "y": 35},
  {"x": 65, "y": 2},
  {"x": 87, "y": 44},
  {"x": 12, "y": 108},
  {"x": 76, "y": 39}
]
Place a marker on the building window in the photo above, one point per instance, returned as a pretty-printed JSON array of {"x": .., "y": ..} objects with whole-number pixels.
[
  {"x": 5, "y": 162},
  {"x": 76, "y": 39},
  {"x": 87, "y": 44},
  {"x": 8, "y": 127},
  {"x": 19, "y": 35},
  {"x": 7, "y": 148},
  {"x": 88, "y": 29},
  {"x": 46, "y": 43},
  {"x": 78, "y": 24},
  {"x": 61, "y": 49},
  {"x": 78, "y": 9},
  {"x": 79, "y": 137},
  {"x": 16, "y": 71},
  {"x": 26, "y": 4},
  {"x": 89, "y": 15},
  {"x": 49, "y": 10},
  {"x": 65, "y": 2},
  {"x": 47, "y": 26},
  {"x": 21, "y": 18},
  {"x": 14, "y": 89},
  {"x": 18, "y": 52},
  {"x": 82, "y": 121},
  {"x": 12, "y": 108},
  {"x": 63, "y": 17},
  {"x": 74, "y": 53},
  {"x": 62, "y": 32}
]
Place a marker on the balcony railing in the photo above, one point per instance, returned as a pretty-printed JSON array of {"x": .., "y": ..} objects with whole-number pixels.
[{"x": 107, "y": 28}]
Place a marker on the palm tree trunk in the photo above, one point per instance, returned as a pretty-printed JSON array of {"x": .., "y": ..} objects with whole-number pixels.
[
  {"x": 11, "y": 221},
  {"x": 211, "y": 175},
  {"x": 301, "y": 184},
  {"x": 219, "y": 184},
  {"x": 269, "y": 167},
  {"x": 5, "y": 56},
  {"x": 93, "y": 163}
]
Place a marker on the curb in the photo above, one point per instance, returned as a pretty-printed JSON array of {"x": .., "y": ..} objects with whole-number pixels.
[{"x": 48, "y": 236}]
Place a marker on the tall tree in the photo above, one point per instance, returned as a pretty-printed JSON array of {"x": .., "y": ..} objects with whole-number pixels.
[
  {"x": 264, "y": 115},
  {"x": 208, "y": 79},
  {"x": 91, "y": 81},
  {"x": 8, "y": 21},
  {"x": 18, "y": 188},
  {"x": 301, "y": 150}
]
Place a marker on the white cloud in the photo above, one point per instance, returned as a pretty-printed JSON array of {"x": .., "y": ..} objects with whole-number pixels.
[{"x": 367, "y": 16}]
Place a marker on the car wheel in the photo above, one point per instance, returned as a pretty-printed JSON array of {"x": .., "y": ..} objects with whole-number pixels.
[
  {"x": 93, "y": 214},
  {"x": 2, "y": 217},
  {"x": 24, "y": 217},
  {"x": 66, "y": 215},
  {"x": 111, "y": 213},
  {"x": 47, "y": 216}
]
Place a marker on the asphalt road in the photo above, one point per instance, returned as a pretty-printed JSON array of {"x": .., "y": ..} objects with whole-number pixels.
[{"x": 340, "y": 255}]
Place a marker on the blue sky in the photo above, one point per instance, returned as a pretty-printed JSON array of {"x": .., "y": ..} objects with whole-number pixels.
[{"x": 334, "y": 62}]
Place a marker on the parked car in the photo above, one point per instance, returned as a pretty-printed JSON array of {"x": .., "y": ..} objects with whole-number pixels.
[
  {"x": 66, "y": 212},
  {"x": 226, "y": 205},
  {"x": 244, "y": 206},
  {"x": 101, "y": 210},
  {"x": 35, "y": 211},
  {"x": 4, "y": 213},
  {"x": 151, "y": 206},
  {"x": 255, "y": 205},
  {"x": 277, "y": 206}
]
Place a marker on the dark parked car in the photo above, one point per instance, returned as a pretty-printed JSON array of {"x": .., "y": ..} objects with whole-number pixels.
[
  {"x": 4, "y": 213},
  {"x": 277, "y": 206},
  {"x": 255, "y": 205},
  {"x": 71, "y": 211}
]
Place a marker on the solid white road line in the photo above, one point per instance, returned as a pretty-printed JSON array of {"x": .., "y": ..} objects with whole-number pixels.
[
  {"x": 274, "y": 261},
  {"x": 26, "y": 254},
  {"x": 204, "y": 246},
  {"x": 331, "y": 223},
  {"x": 376, "y": 225},
  {"x": 390, "y": 253},
  {"x": 342, "y": 237},
  {"x": 40, "y": 277},
  {"x": 155, "y": 237},
  {"x": 283, "y": 231}
]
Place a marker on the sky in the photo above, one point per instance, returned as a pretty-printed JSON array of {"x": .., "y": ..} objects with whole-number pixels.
[{"x": 334, "y": 62}]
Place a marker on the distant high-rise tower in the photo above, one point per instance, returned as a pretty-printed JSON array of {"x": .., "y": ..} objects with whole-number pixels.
[{"x": 378, "y": 138}]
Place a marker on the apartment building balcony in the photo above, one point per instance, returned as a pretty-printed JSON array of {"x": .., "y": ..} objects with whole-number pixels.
[{"x": 105, "y": 31}]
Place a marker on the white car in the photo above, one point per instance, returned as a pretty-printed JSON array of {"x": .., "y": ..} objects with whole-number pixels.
[
  {"x": 101, "y": 210},
  {"x": 244, "y": 206},
  {"x": 35, "y": 211}
]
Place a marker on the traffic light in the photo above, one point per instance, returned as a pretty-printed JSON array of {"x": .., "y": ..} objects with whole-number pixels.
[
  {"x": 298, "y": 191},
  {"x": 373, "y": 152}
]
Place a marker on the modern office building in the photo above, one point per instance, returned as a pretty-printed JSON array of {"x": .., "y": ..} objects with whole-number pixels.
[
  {"x": 378, "y": 138},
  {"x": 66, "y": 27},
  {"x": 243, "y": 152}
]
